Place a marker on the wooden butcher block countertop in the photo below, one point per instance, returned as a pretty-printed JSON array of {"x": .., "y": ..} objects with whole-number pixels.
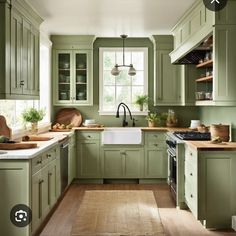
[{"x": 207, "y": 145}]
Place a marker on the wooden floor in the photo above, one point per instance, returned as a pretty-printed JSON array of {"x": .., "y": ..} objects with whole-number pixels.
[{"x": 176, "y": 222}]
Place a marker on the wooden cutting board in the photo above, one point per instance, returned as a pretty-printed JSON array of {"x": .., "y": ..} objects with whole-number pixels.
[
  {"x": 4, "y": 129},
  {"x": 14, "y": 146},
  {"x": 69, "y": 116},
  {"x": 36, "y": 138}
]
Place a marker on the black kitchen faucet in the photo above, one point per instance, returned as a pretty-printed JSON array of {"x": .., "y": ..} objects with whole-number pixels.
[{"x": 124, "y": 122}]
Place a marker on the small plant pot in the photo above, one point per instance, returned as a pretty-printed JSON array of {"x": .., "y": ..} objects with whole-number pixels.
[
  {"x": 151, "y": 124},
  {"x": 141, "y": 107}
]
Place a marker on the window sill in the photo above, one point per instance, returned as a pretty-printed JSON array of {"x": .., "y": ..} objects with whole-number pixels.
[
  {"x": 20, "y": 132},
  {"x": 112, "y": 113}
]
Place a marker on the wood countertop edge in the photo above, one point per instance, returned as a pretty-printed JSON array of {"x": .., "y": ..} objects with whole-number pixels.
[{"x": 206, "y": 145}]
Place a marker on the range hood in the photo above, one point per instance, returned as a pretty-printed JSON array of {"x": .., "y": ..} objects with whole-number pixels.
[{"x": 197, "y": 53}]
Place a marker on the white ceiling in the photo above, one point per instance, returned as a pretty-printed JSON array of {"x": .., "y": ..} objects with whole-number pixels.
[{"x": 110, "y": 18}]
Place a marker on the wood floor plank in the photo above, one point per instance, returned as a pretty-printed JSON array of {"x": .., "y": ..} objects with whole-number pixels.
[{"x": 176, "y": 222}]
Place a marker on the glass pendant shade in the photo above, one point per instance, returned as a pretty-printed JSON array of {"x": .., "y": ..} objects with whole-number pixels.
[
  {"x": 115, "y": 71},
  {"x": 132, "y": 70}
]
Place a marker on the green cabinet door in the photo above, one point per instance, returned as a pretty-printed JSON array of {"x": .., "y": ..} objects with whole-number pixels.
[
  {"x": 72, "y": 160},
  {"x": 52, "y": 191},
  {"x": 133, "y": 163},
  {"x": 36, "y": 200},
  {"x": 156, "y": 163},
  {"x": 167, "y": 82},
  {"x": 44, "y": 192},
  {"x": 122, "y": 163},
  {"x": 14, "y": 184},
  {"x": 89, "y": 159},
  {"x": 113, "y": 162},
  {"x": 17, "y": 80}
]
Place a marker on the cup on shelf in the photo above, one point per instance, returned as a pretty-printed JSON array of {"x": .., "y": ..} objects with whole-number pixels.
[
  {"x": 89, "y": 121},
  {"x": 80, "y": 79},
  {"x": 208, "y": 95},
  {"x": 200, "y": 95},
  {"x": 81, "y": 96},
  {"x": 63, "y": 95}
]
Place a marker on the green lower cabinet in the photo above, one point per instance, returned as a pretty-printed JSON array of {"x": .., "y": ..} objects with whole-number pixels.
[
  {"x": 122, "y": 163},
  {"x": 210, "y": 186},
  {"x": 72, "y": 160},
  {"x": 52, "y": 183},
  {"x": 156, "y": 163},
  {"x": 89, "y": 159},
  {"x": 14, "y": 184}
]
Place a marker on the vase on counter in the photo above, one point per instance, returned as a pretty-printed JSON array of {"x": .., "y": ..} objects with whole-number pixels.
[
  {"x": 151, "y": 124},
  {"x": 34, "y": 127}
]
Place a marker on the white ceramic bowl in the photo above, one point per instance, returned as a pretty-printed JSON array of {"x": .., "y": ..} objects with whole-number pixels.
[
  {"x": 194, "y": 124},
  {"x": 89, "y": 121}
]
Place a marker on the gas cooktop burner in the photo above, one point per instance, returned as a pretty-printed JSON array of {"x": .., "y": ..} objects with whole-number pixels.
[{"x": 190, "y": 135}]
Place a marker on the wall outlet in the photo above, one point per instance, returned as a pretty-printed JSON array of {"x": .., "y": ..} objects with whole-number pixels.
[{"x": 234, "y": 223}]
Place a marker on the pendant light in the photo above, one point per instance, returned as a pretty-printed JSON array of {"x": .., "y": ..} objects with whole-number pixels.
[{"x": 115, "y": 70}]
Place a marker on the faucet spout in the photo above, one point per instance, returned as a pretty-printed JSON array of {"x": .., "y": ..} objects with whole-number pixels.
[{"x": 125, "y": 123}]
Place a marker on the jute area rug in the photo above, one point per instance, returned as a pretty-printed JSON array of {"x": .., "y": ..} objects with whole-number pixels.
[{"x": 118, "y": 213}]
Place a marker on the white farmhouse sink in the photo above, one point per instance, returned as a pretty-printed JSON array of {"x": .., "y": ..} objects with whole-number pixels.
[{"x": 122, "y": 136}]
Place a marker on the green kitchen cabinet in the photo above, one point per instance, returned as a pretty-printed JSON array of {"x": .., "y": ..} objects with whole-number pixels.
[
  {"x": 52, "y": 194},
  {"x": 210, "y": 186},
  {"x": 15, "y": 187},
  {"x": 120, "y": 162},
  {"x": 88, "y": 154},
  {"x": 167, "y": 82},
  {"x": 155, "y": 155},
  {"x": 72, "y": 159},
  {"x": 73, "y": 70},
  {"x": 19, "y": 58}
]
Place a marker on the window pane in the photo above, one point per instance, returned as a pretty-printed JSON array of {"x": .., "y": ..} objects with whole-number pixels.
[
  {"x": 108, "y": 60},
  {"x": 119, "y": 58},
  {"x": 123, "y": 78},
  {"x": 138, "y": 79},
  {"x": 123, "y": 94},
  {"x": 108, "y": 78},
  {"x": 109, "y": 98},
  {"x": 137, "y": 60},
  {"x": 137, "y": 90}
]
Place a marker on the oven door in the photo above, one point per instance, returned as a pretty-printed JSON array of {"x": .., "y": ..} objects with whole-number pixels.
[{"x": 172, "y": 171}]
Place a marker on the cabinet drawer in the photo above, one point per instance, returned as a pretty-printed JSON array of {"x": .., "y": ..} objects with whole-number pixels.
[
  {"x": 155, "y": 138},
  {"x": 36, "y": 164},
  {"x": 191, "y": 197},
  {"x": 88, "y": 135},
  {"x": 190, "y": 155},
  {"x": 190, "y": 173}
]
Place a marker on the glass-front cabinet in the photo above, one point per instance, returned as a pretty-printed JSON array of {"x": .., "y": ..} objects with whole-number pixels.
[{"x": 73, "y": 77}]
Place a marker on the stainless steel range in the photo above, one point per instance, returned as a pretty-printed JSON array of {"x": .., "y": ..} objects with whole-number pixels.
[{"x": 176, "y": 153}]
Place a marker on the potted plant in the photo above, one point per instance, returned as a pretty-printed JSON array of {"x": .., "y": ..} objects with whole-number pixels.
[
  {"x": 141, "y": 100},
  {"x": 153, "y": 119},
  {"x": 33, "y": 116}
]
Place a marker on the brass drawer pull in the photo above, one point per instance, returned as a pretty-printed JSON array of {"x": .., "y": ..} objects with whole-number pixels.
[{"x": 39, "y": 162}]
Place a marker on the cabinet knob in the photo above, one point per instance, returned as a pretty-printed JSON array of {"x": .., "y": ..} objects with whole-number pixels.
[
  {"x": 191, "y": 174},
  {"x": 50, "y": 174},
  {"x": 48, "y": 156},
  {"x": 191, "y": 153},
  {"x": 41, "y": 181},
  {"x": 89, "y": 136},
  {"x": 39, "y": 162},
  {"x": 191, "y": 195},
  {"x": 156, "y": 145},
  {"x": 22, "y": 82},
  {"x": 123, "y": 153}
]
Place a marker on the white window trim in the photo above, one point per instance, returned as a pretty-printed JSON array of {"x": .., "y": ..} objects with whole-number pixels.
[{"x": 101, "y": 50}]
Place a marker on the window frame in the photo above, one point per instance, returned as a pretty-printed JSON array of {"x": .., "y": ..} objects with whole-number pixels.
[{"x": 101, "y": 85}]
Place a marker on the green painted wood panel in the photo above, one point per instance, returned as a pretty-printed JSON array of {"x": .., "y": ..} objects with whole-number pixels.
[
  {"x": 72, "y": 160},
  {"x": 156, "y": 163},
  {"x": 14, "y": 184},
  {"x": 52, "y": 191},
  {"x": 89, "y": 159},
  {"x": 44, "y": 192},
  {"x": 113, "y": 163},
  {"x": 36, "y": 201},
  {"x": 133, "y": 163}
]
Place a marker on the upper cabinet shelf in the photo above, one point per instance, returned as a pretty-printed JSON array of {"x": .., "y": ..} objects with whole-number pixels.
[
  {"x": 205, "y": 79},
  {"x": 205, "y": 64}
]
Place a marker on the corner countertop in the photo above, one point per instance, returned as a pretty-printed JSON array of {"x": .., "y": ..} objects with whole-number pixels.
[
  {"x": 42, "y": 146},
  {"x": 207, "y": 145}
]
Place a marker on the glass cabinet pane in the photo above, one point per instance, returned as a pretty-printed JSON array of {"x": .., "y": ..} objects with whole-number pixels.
[
  {"x": 81, "y": 76},
  {"x": 64, "y": 76}
]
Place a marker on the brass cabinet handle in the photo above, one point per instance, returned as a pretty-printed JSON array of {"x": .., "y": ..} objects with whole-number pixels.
[{"x": 39, "y": 162}]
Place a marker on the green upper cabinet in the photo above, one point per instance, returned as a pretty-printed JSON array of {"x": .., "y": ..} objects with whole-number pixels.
[
  {"x": 19, "y": 58},
  {"x": 190, "y": 34},
  {"x": 173, "y": 84},
  {"x": 72, "y": 70}
]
